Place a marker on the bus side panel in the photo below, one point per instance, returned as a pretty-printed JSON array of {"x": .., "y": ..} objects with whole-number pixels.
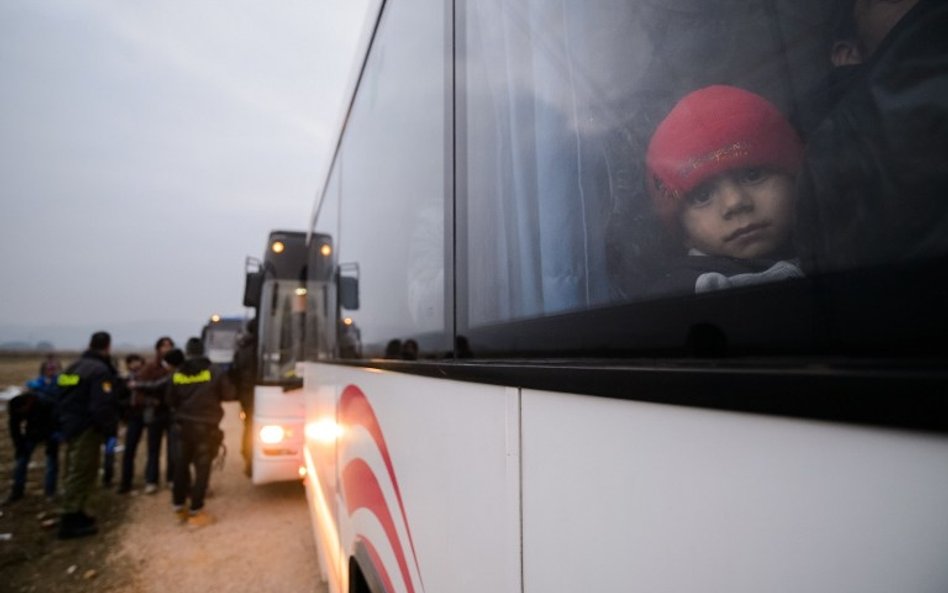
[
  {"x": 428, "y": 480},
  {"x": 280, "y": 461},
  {"x": 319, "y": 454},
  {"x": 621, "y": 495}
]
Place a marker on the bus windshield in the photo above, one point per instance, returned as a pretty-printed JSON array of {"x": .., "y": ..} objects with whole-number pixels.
[{"x": 282, "y": 324}]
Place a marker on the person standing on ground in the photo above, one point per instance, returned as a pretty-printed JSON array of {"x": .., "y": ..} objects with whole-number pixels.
[
  {"x": 158, "y": 426},
  {"x": 244, "y": 375},
  {"x": 142, "y": 416},
  {"x": 134, "y": 422},
  {"x": 88, "y": 414},
  {"x": 195, "y": 394},
  {"x": 33, "y": 423}
]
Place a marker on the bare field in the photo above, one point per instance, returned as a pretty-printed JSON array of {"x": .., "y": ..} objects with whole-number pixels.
[{"x": 17, "y": 369}]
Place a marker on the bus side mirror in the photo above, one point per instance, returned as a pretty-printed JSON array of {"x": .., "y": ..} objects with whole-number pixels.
[
  {"x": 252, "y": 288},
  {"x": 349, "y": 292}
]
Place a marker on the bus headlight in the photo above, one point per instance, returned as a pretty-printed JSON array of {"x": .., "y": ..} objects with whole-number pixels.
[
  {"x": 324, "y": 431},
  {"x": 271, "y": 434}
]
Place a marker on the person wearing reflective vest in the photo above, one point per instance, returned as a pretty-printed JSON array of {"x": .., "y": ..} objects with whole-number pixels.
[
  {"x": 88, "y": 414},
  {"x": 195, "y": 394}
]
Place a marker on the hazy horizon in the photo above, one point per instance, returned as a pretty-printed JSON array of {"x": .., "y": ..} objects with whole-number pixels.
[{"x": 130, "y": 334}]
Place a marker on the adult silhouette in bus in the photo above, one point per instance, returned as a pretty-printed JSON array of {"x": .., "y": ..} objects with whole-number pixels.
[
  {"x": 721, "y": 171},
  {"x": 874, "y": 184}
]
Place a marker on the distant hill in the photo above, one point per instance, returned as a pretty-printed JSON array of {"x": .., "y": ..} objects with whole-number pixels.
[{"x": 126, "y": 336}]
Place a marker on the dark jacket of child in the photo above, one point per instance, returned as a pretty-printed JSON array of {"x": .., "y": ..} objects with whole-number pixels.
[{"x": 694, "y": 273}]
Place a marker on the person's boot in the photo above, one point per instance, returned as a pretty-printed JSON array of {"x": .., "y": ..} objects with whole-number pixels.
[
  {"x": 199, "y": 518},
  {"x": 181, "y": 514},
  {"x": 73, "y": 525},
  {"x": 85, "y": 519}
]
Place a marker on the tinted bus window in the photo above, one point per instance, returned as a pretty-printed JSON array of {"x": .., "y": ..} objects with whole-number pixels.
[
  {"x": 561, "y": 100},
  {"x": 392, "y": 182}
]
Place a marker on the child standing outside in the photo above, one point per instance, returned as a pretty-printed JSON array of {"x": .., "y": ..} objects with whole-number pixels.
[{"x": 721, "y": 170}]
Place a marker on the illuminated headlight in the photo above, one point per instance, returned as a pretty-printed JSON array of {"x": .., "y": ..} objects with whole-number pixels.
[
  {"x": 272, "y": 434},
  {"x": 324, "y": 431}
]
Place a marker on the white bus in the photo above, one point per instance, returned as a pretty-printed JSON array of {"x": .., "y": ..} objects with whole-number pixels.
[
  {"x": 220, "y": 338},
  {"x": 276, "y": 288},
  {"x": 511, "y": 404}
]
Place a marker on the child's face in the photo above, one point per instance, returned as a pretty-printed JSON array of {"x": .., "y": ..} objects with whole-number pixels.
[{"x": 743, "y": 213}]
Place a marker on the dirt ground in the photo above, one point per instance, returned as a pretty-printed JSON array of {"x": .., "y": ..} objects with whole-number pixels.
[{"x": 261, "y": 540}]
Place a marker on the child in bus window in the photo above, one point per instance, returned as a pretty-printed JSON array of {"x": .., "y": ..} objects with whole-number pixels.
[{"x": 721, "y": 170}]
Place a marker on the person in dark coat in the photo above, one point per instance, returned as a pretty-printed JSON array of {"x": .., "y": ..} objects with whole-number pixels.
[
  {"x": 195, "y": 394},
  {"x": 88, "y": 414},
  {"x": 873, "y": 186},
  {"x": 243, "y": 372},
  {"x": 32, "y": 420},
  {"x": 133, "y": 364}
]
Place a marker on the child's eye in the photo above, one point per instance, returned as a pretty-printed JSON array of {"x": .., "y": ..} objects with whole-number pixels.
[
  {"x": 752, "y": 175},
  {"x": 700, "y": 196}
]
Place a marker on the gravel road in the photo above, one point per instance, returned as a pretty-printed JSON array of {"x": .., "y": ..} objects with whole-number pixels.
[{"x": 261, "y": 540}]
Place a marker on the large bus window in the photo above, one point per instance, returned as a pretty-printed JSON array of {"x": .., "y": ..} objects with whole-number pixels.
[
  {"x": 393, "y": 181},
  {"x": 561, "y": 100},
  {"x": 585, "y": 130}
]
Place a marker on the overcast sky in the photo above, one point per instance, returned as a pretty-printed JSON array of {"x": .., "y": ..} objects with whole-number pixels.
[{"x": 146, "y": 148}]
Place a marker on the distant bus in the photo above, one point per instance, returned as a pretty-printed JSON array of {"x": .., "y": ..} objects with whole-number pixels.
[
  {"x": 220, "y": 338},
  {"x": 498, "y": 395}
]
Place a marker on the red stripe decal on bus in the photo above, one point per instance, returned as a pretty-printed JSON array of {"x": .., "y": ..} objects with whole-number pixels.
[
  {"x": 361, "y": 491},
  {"x": 355, "y": 409},
  {"x": 376, "y": 562}
]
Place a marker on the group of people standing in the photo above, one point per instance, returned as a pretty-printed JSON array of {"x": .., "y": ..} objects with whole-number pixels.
[{"x": 176, "y": 397}]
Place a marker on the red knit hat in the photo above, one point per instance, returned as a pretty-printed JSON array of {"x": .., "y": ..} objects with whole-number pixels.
[{"x": 710, "y": 131}]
